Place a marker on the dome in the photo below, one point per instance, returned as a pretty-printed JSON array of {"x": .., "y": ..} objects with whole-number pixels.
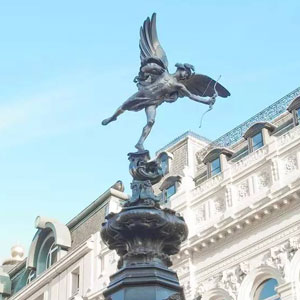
[
  {"x": 17, "y": 252},
  {"x": 17, "y": 255}
]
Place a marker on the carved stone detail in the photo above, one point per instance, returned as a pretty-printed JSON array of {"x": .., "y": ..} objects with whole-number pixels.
[
  {"x": 280, "y": 257},
  {"x": 263, "y": 180},
  {"x": 274, "y": 169},
  {"x": 232, "y": 278},
  {"x": 228, "y": 195},
  {"x": 200, "y": 213},
  {"x": 183, "y": 270},
  {"x": 219, "y": 205},
  {"x": 243, "y": 190},
  {"x": 229, "y": 280},
  {"x": 290, "y": 164}
]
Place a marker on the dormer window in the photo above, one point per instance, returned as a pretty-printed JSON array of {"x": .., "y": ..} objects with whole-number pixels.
[
  {"x": 294, "y": 108},
  {"x": 256, "y": 141},
  {"x": 258, "y": 134},
  {"x": 216, "y": 160},
  {"x": 169, "y": 187},
  {"x": 169, "y": 192},
  {"x": 164, "y": 159},
  {"x": 214, "y": 167},
  {"x": 49, "y": 245}
]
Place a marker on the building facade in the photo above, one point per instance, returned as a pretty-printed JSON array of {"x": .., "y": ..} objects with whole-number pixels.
[{"x": 240, "y": 197}]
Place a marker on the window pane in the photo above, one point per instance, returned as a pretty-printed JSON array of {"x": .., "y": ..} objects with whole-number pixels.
[
  {"x": 170, "y": 191},
  {"x": 257, "y": 141},
  {"x": 267, "y": 289},
  {"x": 52, "y": 256},
  {"x": 215, "y": 166},
  {"x": 31, "y": 276},
  {"x": 165, "y": 163}
]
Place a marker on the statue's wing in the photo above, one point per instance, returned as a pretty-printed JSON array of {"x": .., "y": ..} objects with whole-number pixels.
[
  {"x": 149, "y": 44},
  {"x": 204, "y": 86}
]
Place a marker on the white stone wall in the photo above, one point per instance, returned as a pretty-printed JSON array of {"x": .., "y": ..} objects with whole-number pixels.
[{"x": 244, "y": 225}]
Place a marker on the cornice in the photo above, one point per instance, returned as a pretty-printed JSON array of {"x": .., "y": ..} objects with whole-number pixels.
[{"x": 244, "y": 253}]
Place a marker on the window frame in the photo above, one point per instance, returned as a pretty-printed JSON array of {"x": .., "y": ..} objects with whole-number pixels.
[
  {"x": 260, "y": 288},
  {"x": 250, "y": 141},
  {"x": 165, "y": 157},
  {"x": 75, "y": 280},
  {"x": 166, "y": 191},
  {"x": 210, "y": 169},
  {"x": 43, "y": 254},
  {"x": 52, "y": 250},
  {"x": 31, "y": 276}
]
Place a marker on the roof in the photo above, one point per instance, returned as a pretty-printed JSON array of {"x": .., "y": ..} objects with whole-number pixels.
[{"x": 188, "y": 133}]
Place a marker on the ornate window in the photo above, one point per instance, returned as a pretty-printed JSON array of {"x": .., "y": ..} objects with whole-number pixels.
[{"x": 267, "y": 290}]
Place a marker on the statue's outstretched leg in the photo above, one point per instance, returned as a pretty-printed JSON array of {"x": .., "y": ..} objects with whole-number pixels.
[
  {"x": 118, "y": 112},
  {"x": 150, "y": 113}
]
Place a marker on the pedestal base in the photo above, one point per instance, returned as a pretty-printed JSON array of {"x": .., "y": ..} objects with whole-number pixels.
[{"x": 143, "y": 282}]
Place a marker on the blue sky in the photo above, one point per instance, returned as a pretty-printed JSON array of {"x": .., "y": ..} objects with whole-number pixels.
[{"x": 66, "y": 65}]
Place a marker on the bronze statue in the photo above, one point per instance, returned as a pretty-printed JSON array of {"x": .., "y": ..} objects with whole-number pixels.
[{"x": 156, "y": 85}]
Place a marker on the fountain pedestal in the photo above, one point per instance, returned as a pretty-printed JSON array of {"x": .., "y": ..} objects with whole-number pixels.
[{"x": 144, "y": 236}]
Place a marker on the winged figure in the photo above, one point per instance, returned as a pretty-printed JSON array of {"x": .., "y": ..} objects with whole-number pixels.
[{"x": 156, "y": 85}]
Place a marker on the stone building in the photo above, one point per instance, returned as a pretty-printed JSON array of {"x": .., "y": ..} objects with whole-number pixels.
[{"x": 239, "y": 196}]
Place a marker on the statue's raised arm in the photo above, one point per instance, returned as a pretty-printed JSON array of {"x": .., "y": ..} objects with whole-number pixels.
[{"x": 156, "y": 85}]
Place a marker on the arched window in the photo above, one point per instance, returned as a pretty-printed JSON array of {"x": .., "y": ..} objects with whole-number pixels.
[
  {"x": 266, "y": 290},
  {"x": 47, "y": 255}
]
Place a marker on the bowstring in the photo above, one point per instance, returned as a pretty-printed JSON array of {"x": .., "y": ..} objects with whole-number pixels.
[{"x": 211, "y": 106}]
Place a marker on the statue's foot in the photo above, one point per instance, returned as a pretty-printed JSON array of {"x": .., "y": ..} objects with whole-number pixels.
[
  {"x": 139, "y": 146},
  {"x": 108, "y": 120}
]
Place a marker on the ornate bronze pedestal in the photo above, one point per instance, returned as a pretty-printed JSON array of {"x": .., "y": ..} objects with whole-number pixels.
[{"x": 144, "y": 236}]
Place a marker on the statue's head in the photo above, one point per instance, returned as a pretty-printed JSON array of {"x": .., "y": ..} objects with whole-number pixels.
[{"x": 184, "y": 71}]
